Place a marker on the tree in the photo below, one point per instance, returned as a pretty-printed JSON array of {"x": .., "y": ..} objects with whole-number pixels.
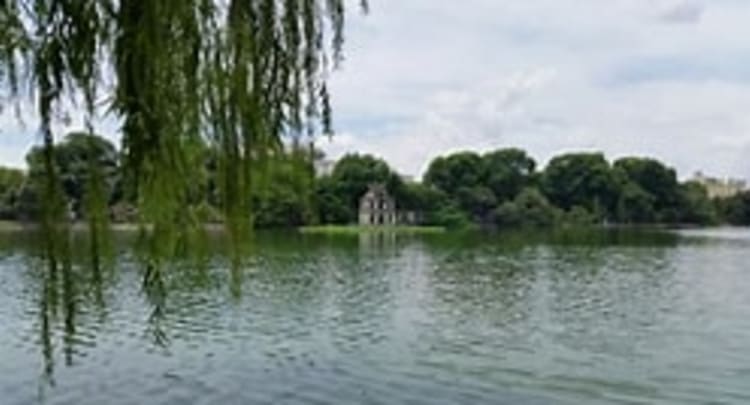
[
  {"x": 695, "y": 206},
  {"x": 580, "y": 216},
  {"x": 658, "y": 181},
  {"x": 11, "y": 182},
  {"x": 530, "y": 209},
  {"x": 332, "y": 208},
  {"x": 477, "y": 201},
  {"x": 282, "y": 208},
  {"x": 420, "y": 197},
  {"x": 10, "y": 179},
  {"x": 508, "y": 172},
  {"x": 287, "y": 201},
  {"x": 449, "y": 215},
  {"x": 581, "y": 179},
  {"x": 635, "y": 205},
  {"x": 73, "y": 157},
  {"x": 462, "y": 177},
  {"x": 735, "y": 210},
  {"x": 351, "y": 178},
  {"x": 457, "y": 171}
]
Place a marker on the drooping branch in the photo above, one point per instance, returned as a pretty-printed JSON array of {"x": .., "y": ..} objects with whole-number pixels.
[{"x": 236, "y": 74}]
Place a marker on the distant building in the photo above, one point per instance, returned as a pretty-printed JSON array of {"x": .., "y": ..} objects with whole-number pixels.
[
  {"x": 377, "y": 207},
  {"x": 407, "y": 178},
  {"x": 324, "y": 167},
  {"x": 720, "y": 188}
]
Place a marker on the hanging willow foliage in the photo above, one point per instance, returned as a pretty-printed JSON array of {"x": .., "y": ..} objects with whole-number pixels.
[{"x": 236, "y": 74}]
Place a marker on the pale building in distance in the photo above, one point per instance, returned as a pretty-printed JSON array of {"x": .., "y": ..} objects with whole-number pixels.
[
  {"x": 377, "y": 207},
  {"x": 324, "y": 167},
  {"x": 406, "y": 178},
  {"x": 720, "y": 188}
]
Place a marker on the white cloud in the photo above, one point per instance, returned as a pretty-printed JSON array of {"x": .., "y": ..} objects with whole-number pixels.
[{"x": 452, "y": 119}]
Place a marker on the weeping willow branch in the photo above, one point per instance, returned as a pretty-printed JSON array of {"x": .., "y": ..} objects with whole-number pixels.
[{"x": 238, "y": 75}]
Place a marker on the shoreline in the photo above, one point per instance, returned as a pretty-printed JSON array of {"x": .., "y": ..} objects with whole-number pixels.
[
  {"x": 12, "y": 226},
  {"x": 357, "y": 229},
  {"x": 20, "y": 226}
]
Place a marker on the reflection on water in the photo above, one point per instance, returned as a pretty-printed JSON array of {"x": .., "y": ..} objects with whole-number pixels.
[{"x": 565, "y": 317}]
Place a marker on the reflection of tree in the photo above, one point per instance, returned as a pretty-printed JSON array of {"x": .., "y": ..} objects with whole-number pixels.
[
  {"x": 67, "y": 286},
  {"x": 48, "y": 310},
  {"x": 165, "y": 278},
  {"x": 45, "y": 338},
  {"x": 156, "y": 294},
  {"x": 235, "y": 280},
  {"x": 69, "y": 303}
]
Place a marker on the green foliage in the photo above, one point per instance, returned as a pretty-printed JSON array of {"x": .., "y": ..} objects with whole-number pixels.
[
  {"x": 476, "y": 184},
  {"x": 463, "y": 178},
  {"x": 477, "y": 201},
  {"x": 735, "y": 210},
  {"x": 582, "y": 188},
  {"x": 635, "y": 205},
  {"x": 530, "y": 209},
  {"x": 10, "y": 180},
  {"x": 84, "y": 163},
  {"x": 287, "y": 201},
  {"x": 658, "y": 182},
  {"x": 580, "y": 216},
  {"x": 450, "y": 216},
  {"x": 463, "y": 170},
  {"x": 434, "y": 206},
  {"x": 420, "y": 197},
  {"x": 694, "y": 205},
  {"x": 581, "y": 179},
  {"x": 332, "y": 207},
  {"x": 11, "y": 183},
  {"x": 508, "y": 172},
  {"x": 281, "y": 209}
]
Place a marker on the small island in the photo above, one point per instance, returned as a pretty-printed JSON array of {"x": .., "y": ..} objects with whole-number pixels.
[{"x": 360, "y": 193}]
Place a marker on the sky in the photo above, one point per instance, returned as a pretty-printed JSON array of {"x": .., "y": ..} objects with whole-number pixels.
[{"x": 668, "y": 79}]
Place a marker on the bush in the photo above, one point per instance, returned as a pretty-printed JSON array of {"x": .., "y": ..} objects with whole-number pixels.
[
  {"x": 581, "y": 216},
  {"x": 530, "y": 209},
  {"x": 449, "y": 216}
]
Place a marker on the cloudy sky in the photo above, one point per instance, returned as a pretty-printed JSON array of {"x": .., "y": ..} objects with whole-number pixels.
[{"x": 663, "y": 78}]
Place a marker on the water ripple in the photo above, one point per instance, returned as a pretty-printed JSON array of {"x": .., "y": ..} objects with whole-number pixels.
[{"x": 389, "y": 322}]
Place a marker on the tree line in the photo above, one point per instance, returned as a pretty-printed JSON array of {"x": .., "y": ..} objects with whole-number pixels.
[
  {"x": 503, "y": 188},
  {"x": 506, "y": 189}
]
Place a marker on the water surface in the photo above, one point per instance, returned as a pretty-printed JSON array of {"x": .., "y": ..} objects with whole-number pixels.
[{"x": 571, "y": 317}]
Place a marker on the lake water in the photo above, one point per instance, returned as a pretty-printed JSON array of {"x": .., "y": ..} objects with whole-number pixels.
[{"x": 621, "y": 317}]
